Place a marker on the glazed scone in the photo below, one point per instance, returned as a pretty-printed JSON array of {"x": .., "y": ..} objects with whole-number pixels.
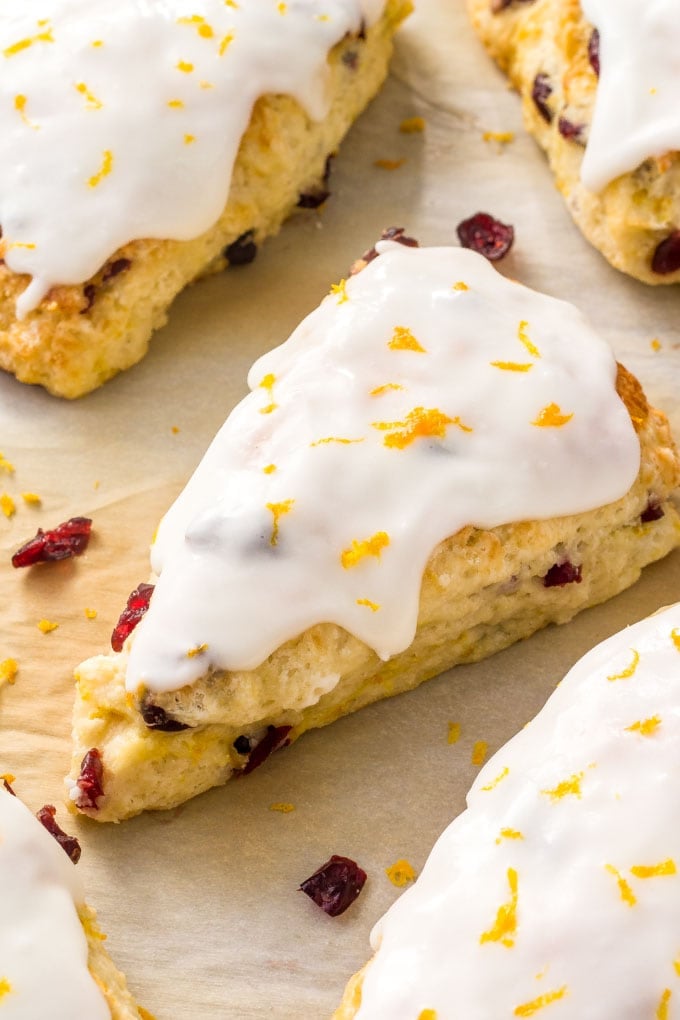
[
  {"x": 598, "y": 82},
  {"x": 437, "y": 463},
  {"x": 556, "y": 893},
  {"x": 52, "y": 957},
  {"x": 122, "y": 132}
]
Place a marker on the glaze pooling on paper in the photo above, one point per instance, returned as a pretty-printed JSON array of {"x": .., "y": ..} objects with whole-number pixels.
[
  {"x": 43, "y": 949},
  {"x": 557, "y": 892},
  {"x": 637, "y": 113},
  {"x": 424, "y": 394},
  {"x": 121, "y": 119}
]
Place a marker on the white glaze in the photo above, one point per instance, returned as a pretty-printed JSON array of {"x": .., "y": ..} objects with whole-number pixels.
[
  {"x": 65, "y": 103},
  {"x": 574, "y": 928},
  {"x": 43, "y": 949},
  {"x": 224, "y": 585},
  {"x": 637, "y": 113}
]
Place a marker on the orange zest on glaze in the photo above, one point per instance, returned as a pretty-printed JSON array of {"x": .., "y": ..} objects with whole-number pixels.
[
  {"x": 198, "y": 650},
  {"x": 269, "y": 469},
  {"x": 404, "y": 340},
  {"x": 267, "y": 383},
  {"x": 504, "y": 928},
  {"x": 184, "y": 66},
  {"x": 662, "y": 1008},
  {"x": 427, "y": 1014},
  {"x": 675, "y": 637},
  {"x": 336, "y": 439},
  {"x": 530, "y": 1008},
  {"x": 567, "y": 788},
  {"x": 225, "y": 43},
  {"x": 278, "y": 511},
  {"x": 626, "y": 673},
  {"x": 199, "y": 23},
  {"x": 379, "y": 390},
  {"x": 513, "y": 366},
  {"x": 645, "y": 727},
  {"x": 420, "y": 423},
  {"x": 509, "y": 834},
  {"x": 362, "y": 548},
  {"x": 666, "y": 867},
  {"x": 374, "y": 606},
  {"x": 627, "y": 894},
  {"x": 23, "y": 44},
  {"x": 20, "y": 106},
  {"x": 5, "y": 987},
  {"x": 104, "y": 170},
  {"x": 460, "y": 285},
  {"x": 91, "y": 100},
  {"x": 551, "y": 417},
  {"x": 499, "y": 779},
  {"x": 524, "y": 339},
  {"x": 340, "y": 289}
]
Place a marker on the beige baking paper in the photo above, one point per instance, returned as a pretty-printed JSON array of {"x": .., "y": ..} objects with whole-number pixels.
[{"x": 201, "y": 904}]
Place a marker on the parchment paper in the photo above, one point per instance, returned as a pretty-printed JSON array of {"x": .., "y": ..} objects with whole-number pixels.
[{"x": 201, "y": 904}]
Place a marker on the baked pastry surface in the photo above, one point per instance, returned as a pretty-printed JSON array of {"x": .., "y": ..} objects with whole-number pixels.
[
  {"x": 543, "y": 46},
  {"x": 482, "y": 588},
  {"x": 81, "y": 335},
  {"x": 43, "y": 903},
  {"x": 570, "y": 821}
]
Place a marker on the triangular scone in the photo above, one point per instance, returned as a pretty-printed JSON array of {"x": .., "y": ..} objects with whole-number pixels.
[
  {"x": 598, "y": 82},
  {"x": 437, "y": 463},
  {"x": 557, "y": 893},
  {"x": 52, "y": 957},
  {"x": 146, "y": 144}
]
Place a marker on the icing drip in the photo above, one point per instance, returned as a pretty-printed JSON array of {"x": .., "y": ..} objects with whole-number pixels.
[
  {"x": 548, "y": 890},
  {"x": 391, "y": 421},
  {"x": 637, "y": 114},
  {"x": 43, "y": 949},
  {"x": 122, "y": 119}
]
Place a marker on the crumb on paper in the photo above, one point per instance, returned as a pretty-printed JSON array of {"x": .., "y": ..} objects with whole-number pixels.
[
  {"x": 8, "y": 673},
  {"x": 95, "y": 484},
  {"x": 174, "y": 429},
  {"x": 91, "y": 614},
  {"x": 283, "y": 807},
  {"x": 31, "y": 498},
  {"x": 389, "y": 164},
  {"x": 479, "y": 752},
  {"x": 454, "y": 733},
  {"x": 7, "y": 505},
  {"x": 401, "y": 873},
  {"x": 412, "y": 125},
  {"x": 501, "y": 137},
  {"x": 47, "y": 626},
  {"x": 655, "y": 344}
]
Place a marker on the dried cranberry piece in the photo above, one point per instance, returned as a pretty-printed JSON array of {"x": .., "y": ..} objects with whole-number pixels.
[
  {"x": 156, "y": 718},
  {"x": 350, "y": 58},
  {"x": 486, "y": 235},
  {"x": 594, "y": 51},
  {"x": 69, "y": 844},
  {"x": 5, "y": 782},
  {"x": 540, "y": 93},
  {"x": 114, "y": 268},
  {"x": 666, "y": 258},
  {"x": 397, "y": 234},
  {"x": 242, "y": 745},
  {"x": 89, "y": 293},
  {"x": 60, "y": 543},
  {"x": 335, "y": 885},
  {"x": 137, "y": 605},
  {"x": 561, "y": 574},
  {"x": 274, "y": 739},
  {"x": 572, "y": 132},
  {"x": 89, "y": 781},
  {"x": 318, "y": 195},
  {"x": 241, "y": 251},
  {"x": 652, "y": 512}
]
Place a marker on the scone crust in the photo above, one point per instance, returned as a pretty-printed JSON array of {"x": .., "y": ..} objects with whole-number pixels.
[
  {"x": 636, "y": 212},
  {"x": 80, "y": 336},
  {"x": 481, "y": 591},
  {"x": 110, "y": 980}
]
